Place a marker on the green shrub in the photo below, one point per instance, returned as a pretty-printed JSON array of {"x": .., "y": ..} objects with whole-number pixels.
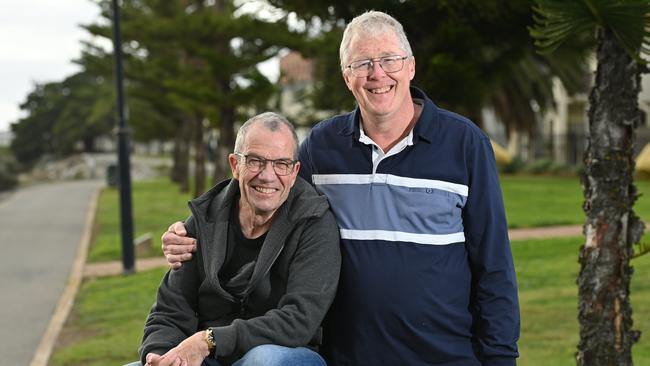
[
  {"x": 8, "y": 171},
  {"x": 539, "y": 166},
  {"x": 514, "y": 166}
]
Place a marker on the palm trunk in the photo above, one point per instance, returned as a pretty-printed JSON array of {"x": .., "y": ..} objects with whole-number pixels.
[{"x": 611, "y": 227}]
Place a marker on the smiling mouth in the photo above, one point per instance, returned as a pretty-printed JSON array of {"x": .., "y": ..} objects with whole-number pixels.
[
  {"x": 264, "y": 190},
  {"x": 382, "y": 90}
]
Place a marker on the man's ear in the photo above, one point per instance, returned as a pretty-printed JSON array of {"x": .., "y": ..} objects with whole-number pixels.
[
  {"x": 294, "y": 175},
  {"x": 412, "y": 68},
  {"x": 234, "y": 163},
  {"x": 346, "y": 78}
]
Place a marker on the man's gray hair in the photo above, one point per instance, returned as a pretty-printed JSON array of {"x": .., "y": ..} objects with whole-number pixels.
[
  {"x": 372, "y": 24},
  {"x": 270, "y": 120}
]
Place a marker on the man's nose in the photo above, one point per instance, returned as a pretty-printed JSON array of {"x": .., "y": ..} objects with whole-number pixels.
[
  {"x": 376, "y": 71},
  {"x": 267, "y": 170}
]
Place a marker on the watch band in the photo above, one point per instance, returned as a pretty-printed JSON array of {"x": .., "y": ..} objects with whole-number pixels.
[{"x": 209, "y": 339}]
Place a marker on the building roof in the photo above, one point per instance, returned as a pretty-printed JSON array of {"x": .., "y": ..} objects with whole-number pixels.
[{"x": 295, "y": 68}]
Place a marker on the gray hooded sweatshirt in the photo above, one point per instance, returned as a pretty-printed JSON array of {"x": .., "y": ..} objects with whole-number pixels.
[{"x": 290, "y": 290}]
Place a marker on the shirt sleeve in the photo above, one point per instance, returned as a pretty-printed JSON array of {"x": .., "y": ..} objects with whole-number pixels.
[
  {"x": 494, "y": 302},
  {"x": 304, "y": 156}
]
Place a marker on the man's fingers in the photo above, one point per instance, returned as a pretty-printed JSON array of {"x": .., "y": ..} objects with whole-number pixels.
[
  {"x": 176, "y": 246},
  {"x": 170, "y": 239},
  {"x": 187, "y": 247},
  {"x": 167, "y": 359},
  {"x": 177, "y": 258},
  {"x": 151, "y": 358},
  {"x": 178, "y": 228}
]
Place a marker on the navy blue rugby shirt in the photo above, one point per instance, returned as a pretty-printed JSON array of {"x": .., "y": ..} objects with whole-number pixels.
[{"x": 427, "y": 275}]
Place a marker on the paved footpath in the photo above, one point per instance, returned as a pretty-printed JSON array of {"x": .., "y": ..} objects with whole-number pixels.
[{"x": 40, "y": 231}]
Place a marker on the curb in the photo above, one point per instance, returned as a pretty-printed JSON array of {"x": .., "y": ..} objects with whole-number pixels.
[{"x": 45, "y": 347}]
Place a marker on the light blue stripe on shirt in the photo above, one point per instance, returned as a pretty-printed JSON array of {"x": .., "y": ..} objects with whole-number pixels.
[
  {"x": 391, "y": 179},
  {"x": 393, "y": 208}
]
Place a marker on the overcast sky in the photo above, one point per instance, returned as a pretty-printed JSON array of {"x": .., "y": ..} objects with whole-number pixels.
[{"x": 38, "y": 40}]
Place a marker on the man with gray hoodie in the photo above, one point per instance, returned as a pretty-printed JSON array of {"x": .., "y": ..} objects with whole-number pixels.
[{"x": 265, "y": 269}]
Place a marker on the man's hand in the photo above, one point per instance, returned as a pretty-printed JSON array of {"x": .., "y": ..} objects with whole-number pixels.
[
  {"x": 152, "y": 358},
  {"x": 191, "y": 352},
  {"x": 158, "y": 360},
  {"x": 176, "y": 245}
]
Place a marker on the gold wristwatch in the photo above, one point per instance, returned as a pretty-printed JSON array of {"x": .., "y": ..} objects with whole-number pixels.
[{"x": 209, "y": 339}]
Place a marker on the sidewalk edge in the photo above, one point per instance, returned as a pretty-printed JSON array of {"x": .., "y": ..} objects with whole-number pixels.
[{"x": 46, "y": 346}]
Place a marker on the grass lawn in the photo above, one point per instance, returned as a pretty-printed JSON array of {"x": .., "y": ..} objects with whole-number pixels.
[
  {"x": 156, "y": 204},
  {"x": 106, "y": 324},
  {"x": 539, "y": 200}
]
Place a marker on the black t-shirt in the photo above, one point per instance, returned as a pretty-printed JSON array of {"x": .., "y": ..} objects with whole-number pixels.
[{"x": 241, "y": 255}]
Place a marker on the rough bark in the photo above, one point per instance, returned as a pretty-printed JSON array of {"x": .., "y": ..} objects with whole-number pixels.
[{"x": 611, "y": 227}]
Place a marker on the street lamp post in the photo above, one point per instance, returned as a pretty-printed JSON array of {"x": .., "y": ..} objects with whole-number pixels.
[{"x": 124, "y": 172}]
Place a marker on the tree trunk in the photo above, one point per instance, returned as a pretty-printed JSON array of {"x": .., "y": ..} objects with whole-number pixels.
[
  {"x": 181, "y": 169},
  {"x": 199, "y": 157},
  {"x": 175, "y": 174},
  {"x": 89, "y": 144},
  {"x": 611, "y": 227},
  {"x": 226, "y": 141}
]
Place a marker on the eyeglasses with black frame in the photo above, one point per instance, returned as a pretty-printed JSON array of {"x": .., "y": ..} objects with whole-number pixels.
[
  {"x": 256, "y": 164},
  {"x": 389, "y": 64}
]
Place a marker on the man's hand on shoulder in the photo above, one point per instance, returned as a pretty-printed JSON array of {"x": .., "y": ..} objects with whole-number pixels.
[{"x": 176, "y": 245}]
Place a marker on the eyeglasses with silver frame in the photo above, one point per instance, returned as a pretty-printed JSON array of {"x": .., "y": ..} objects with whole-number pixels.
[
  {"x": 390, "y": 64},
  {"x": 256, "y": 164}
]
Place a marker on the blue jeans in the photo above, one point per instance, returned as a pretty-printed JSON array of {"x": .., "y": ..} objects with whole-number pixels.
[{"x": 271, "y": 355}]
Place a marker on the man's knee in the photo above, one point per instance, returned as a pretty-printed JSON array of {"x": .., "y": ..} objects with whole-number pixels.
[{"x": 274, "y": 355}]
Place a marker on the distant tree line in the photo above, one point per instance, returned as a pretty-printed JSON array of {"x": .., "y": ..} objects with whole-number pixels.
[{"x": 191, "y": 66}]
